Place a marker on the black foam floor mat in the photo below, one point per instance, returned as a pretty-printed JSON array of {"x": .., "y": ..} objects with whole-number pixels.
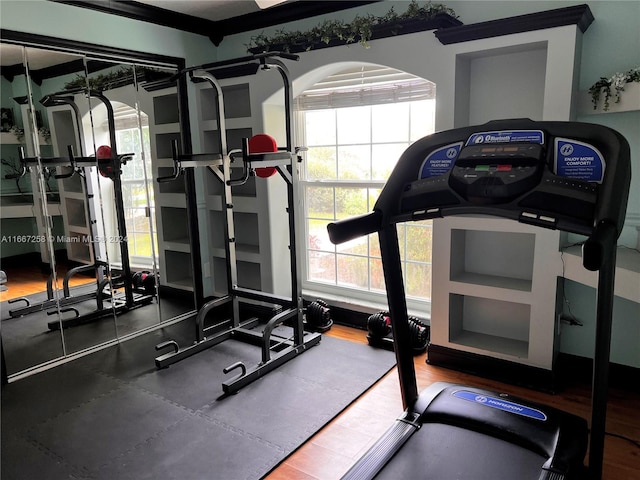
[{"x": 113, "y": 415}]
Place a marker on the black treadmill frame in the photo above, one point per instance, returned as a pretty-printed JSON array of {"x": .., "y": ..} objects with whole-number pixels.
[{"x": 599, "y": 254}]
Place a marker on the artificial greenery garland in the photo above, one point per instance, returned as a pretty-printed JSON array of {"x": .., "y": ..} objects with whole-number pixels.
[
  {"x": 360, "y": 29},
  {"x": 117, "y": 78}
]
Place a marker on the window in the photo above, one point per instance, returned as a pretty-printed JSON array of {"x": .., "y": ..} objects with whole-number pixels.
[
  {"x": 136, "y": 182},
  {"x": 356, "y": 124},
  {"x": 132, "y": 136}
]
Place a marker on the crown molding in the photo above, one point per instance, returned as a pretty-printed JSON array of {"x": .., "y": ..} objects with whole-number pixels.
[
  {"x": 579, "y": 15},
  {"x": 217, "y": 30}
]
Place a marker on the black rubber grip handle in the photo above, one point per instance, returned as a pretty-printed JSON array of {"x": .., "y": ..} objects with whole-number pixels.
[
  {"x": 602, "y": 240},
  {"x": 354, "y": 227}
]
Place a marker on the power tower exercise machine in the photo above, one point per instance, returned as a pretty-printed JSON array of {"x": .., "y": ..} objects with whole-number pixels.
[
  {"x": 259, "y": 155},
  {"x": 109, "y": 165},
  {"x": 569, "y": 176}
]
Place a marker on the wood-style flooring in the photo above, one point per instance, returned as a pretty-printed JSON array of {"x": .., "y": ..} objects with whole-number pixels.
[
  {"x": 26, "y": 280},
  {"x": 330, "y": 453}
]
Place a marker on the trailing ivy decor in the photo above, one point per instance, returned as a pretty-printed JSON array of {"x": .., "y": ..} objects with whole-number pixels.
[
  {"x": 612, "y": 87},
  {"x": 117, "y": 78},
  {"x": 45, "y": 133},
  {"x": 18, "y": 133},
  {"x": 359, "y": 30},
  {"x": 101, "y": 82}
]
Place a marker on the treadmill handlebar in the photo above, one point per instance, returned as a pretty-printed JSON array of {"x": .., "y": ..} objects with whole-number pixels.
[
  {"x": 354, "y": 227},
  {"x": 595, "y": 248}
]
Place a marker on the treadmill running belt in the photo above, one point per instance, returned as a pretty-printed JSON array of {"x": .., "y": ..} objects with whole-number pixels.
[{"x": 444, "y": 452}]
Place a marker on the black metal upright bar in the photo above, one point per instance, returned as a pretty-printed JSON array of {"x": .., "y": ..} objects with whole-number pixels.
[
  {"x": 60, "y": 99},
  {"x": 605, "y": 247},
  {"x": 190, "y": 191},
  {"x": 390, "y": 252},
  {"x": 119, "y": 200}
]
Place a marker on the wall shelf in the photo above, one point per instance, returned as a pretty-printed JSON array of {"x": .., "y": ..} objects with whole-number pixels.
[
  {"x": 500, "y": 346},
  {"x": 493, "y": 281},
  {"x": 170, "y": 200},
  {"x": 495, "y": 301}
]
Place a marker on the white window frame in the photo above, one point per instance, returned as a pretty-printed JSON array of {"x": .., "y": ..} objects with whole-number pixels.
[{"x": 342, "y": 295}]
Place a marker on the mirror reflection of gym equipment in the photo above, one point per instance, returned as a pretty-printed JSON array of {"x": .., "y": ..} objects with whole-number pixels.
[
  {"x": 109, "y": 165},
  {"x": 87, "y": 257}
]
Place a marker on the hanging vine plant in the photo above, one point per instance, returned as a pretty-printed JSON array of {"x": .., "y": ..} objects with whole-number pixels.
[
  {"x": 361, "y": 29},
  {"x": 608, "y": 88}
]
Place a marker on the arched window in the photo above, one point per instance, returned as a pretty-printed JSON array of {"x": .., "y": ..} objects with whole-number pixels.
[{"x": 356, "y": 124}]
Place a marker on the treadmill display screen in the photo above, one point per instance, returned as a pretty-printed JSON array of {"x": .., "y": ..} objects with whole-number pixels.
[{"x": 497, "y": 173}]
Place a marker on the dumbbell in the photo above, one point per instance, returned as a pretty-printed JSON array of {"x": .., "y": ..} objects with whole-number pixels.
[
  {"x": 379, "y": 328},
  {"x": 318, "y": 316},
  {"x": 144, "y": 280}
]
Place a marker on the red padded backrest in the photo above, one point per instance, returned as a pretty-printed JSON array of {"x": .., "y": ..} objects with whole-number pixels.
[{"x": 263, "y": 143}]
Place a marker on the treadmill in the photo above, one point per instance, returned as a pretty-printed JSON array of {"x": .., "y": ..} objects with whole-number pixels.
[{"x": 569, "y": 176}]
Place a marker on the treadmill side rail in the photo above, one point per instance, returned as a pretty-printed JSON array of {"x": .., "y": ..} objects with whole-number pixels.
[{"x": 386, "y": 447}]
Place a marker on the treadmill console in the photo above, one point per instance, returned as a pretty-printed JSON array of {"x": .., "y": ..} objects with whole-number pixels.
[{"x": 545, "y": 173}]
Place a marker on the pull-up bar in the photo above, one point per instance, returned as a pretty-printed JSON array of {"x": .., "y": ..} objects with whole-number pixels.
[{"x": 260, "y": 57}]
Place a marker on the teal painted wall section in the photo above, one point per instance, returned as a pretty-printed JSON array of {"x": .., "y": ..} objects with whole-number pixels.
[
  {"x": 625, "y": 335},
  {"x": 16, "y": 88}
]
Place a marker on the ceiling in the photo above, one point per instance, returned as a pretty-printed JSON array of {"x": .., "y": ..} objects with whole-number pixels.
[
  {"x": 218, "y": 18},
  {"x": 214, "y": 10}
]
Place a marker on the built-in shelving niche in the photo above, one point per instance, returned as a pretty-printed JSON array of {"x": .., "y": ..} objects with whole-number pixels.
[
  {"x": 488, "y": 324},
  {"x": 494, "y": 259}
]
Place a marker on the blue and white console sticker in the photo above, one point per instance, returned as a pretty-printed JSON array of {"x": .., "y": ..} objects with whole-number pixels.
[
  {"x": 578, "y": 160},
  {"x": 501, "y": 404},
  {"x": 507, "y": 136},
  {"x": 440, "y": 161}
]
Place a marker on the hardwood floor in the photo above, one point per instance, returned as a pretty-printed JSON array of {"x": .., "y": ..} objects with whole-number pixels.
[
  {"x": 26, "y": 280},
  {"x": 330, "y": 453}
]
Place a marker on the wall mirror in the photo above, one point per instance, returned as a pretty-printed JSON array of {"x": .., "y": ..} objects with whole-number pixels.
[
  {"x": 86, "y": 315},
  {"x": 101, "y": 125},
  {"x": 27, "y": 191}
]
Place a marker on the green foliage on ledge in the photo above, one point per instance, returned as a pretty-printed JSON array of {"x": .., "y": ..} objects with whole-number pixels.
[
  {"x": 119, "y": 77},
  {"x": 360, "y": 30}
]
